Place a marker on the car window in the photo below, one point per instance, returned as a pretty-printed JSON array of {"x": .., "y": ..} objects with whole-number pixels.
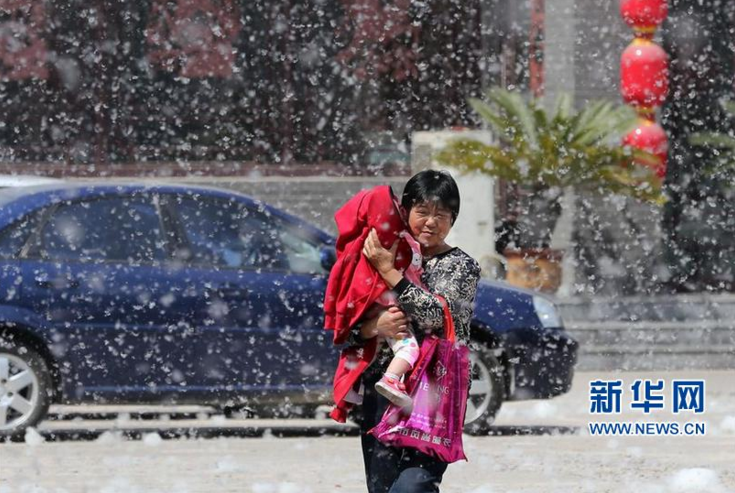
[
  {"x": 224, "y": 233},
  {"x": 228, "y": 234},
  {"x": 303, "y": 255},
  {"x": 125, "y": 229},
  {"x": 15, "y": 236}
]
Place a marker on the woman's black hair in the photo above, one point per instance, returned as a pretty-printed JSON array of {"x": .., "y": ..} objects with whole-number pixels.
[{"x": 434, "y": 187}]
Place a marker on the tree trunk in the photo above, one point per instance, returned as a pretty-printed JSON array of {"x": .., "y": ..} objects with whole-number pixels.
[{"x": 562, "y": 239}]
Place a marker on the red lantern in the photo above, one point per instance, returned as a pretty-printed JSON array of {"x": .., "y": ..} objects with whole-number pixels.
[
  {"x": 644, "y": 80},
  {"x": 650, "y": 137},
  {"x": 644, "y": 16},
  {"x": 644, "y": 74}
]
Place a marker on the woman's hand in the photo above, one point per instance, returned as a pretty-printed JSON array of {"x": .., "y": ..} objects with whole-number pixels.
[
  {"x": 389, "y": 323},
  {"x": 382, "y": 259}
]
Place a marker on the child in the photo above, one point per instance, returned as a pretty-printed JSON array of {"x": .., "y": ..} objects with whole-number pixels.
[
  {"x": 354, "y": 287},
  {"x": 405, "y": 350}
]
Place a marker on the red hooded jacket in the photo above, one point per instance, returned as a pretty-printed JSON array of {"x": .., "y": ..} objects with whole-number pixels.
[{"x": 354, "y": 285}]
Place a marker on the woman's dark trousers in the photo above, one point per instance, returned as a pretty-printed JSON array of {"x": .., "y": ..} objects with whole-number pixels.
[{"x": 388, "y": 469}]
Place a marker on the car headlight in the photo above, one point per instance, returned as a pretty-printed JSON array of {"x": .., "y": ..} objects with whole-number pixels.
[{"x": 547, "y": 312}]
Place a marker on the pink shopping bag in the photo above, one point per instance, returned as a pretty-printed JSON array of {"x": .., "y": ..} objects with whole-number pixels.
[{"x": 438, "y": 386}]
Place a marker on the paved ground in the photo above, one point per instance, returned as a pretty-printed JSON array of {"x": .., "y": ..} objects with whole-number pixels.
[{"x": 537, "y": 446}]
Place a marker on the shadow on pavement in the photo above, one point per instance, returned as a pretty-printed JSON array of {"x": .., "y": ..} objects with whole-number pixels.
[
  {"x": 198, "y": 432},
  {"x": 533, "y": 430},
  {"x": 80, "y": 434}
]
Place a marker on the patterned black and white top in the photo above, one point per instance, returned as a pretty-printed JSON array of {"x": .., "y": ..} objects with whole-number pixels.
[{"x": 453, "y": 275}]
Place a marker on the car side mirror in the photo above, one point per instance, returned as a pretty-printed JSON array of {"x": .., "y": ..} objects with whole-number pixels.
[{"x": 328, "y": 257}]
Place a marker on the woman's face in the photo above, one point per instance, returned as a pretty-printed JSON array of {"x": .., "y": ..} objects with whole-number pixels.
[{"x": 429, "y": 223}]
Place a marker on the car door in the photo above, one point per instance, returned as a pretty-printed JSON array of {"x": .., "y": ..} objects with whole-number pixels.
[
  {"x": 261, "y": 322},
  {"x": 12, "y": 239},
  {"x": 97, "y": 269}
]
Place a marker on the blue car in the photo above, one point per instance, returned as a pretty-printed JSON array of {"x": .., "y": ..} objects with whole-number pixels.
[{"x": 179, "y": 294}]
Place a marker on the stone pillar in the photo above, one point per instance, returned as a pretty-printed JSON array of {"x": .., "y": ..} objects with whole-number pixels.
[{"x": 560, "y": 33}]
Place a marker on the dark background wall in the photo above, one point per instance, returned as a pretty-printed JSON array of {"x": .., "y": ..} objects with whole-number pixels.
[{"x": 345, "y": 83}]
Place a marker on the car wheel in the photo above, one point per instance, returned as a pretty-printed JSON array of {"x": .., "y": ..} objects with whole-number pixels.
[
  {"x": 486, "y": 392},
  {"x": 25, "y": 386}
]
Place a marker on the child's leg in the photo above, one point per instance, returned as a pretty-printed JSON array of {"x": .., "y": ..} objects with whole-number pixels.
[{"x": 406, "y": 353}]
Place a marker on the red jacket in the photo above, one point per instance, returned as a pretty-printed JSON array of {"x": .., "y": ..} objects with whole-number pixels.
[{"x": 354, "y": 285}]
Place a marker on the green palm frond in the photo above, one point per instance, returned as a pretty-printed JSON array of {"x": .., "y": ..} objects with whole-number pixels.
[
  {"x": 724, "y": 143},
  {"x": 563, "y": 148},
  {"x": 713, "y": 139},
  {"x": 729, "y": 106},
  {"x": 563, "y": 108},
  {"x": 471, "y": 155},
  {"x": 497, "y": 123}
]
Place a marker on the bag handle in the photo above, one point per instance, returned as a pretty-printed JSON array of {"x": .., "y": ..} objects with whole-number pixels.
[{"x": 449, "y": 332}]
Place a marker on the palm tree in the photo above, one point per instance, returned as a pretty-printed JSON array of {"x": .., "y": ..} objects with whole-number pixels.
[{"x": 550, "y": 153}]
